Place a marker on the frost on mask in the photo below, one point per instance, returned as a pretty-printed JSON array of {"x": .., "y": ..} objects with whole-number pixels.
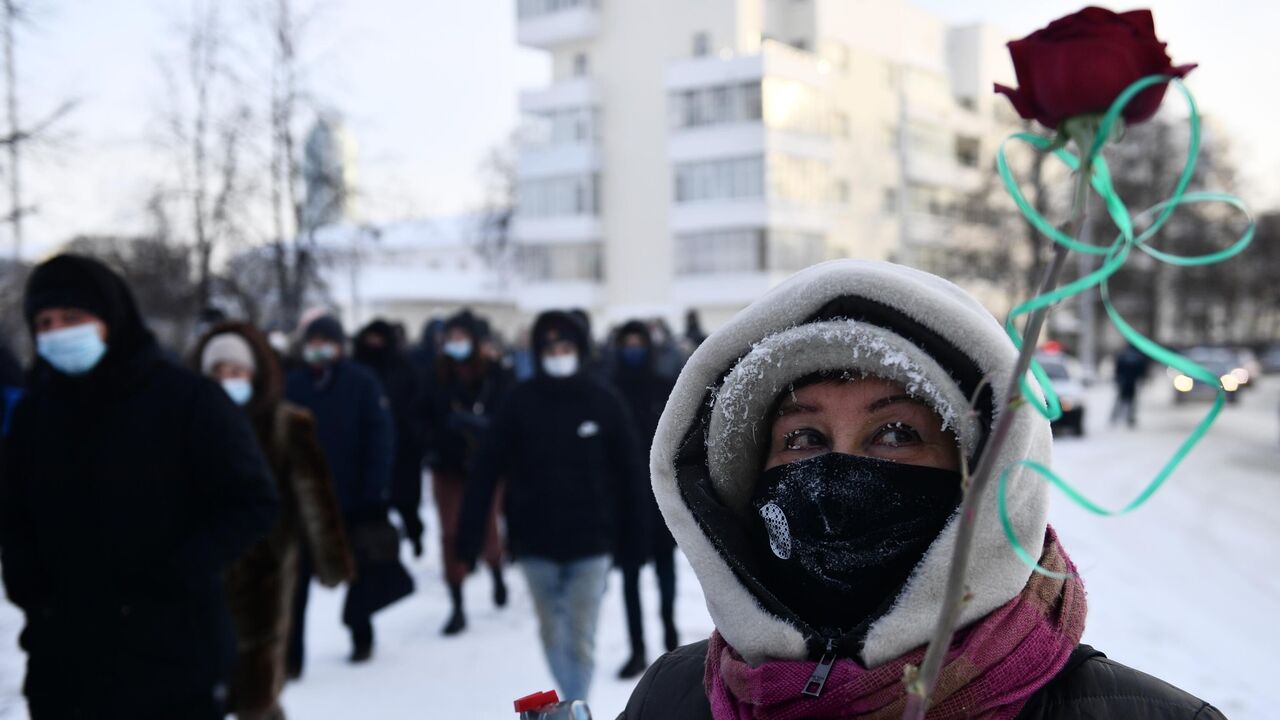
[{"x": 739, "y": 428}]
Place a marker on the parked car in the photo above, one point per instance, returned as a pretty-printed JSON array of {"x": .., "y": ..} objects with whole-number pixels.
[
  {"x": 1226, "y": 364},
  {"x": 1067, "y": 377},
  {"x": 1270, "y": 359}
]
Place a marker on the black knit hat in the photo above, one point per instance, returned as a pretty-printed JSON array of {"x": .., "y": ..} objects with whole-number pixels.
[
  {"x": 67, "y": 282},
  {"x": 565, "y": 326},
  {"x": 467, "y": 322},
  {"x": 325, "y": 327}
]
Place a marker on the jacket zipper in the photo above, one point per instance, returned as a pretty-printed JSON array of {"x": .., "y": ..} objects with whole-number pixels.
[{"x": 818, "y": 679}]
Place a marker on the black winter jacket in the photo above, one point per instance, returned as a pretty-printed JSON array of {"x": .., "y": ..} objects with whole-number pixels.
[
  {"x": 646, "y": 393},
  {"x": 574, "y": 471},
  {"x": 353, "y": 423},
  {"x": 1090, "y": 687},
  {"x": 124, "y": 493}
]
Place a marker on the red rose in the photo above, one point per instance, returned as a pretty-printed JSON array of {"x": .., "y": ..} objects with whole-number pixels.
[{"x": 1081, "y": 63}]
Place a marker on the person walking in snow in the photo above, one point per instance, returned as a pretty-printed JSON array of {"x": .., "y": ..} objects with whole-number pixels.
[
  {"x": 262, "y": 582},
  {"x": 379, "y": 349},
  {"x": 468, "y": 388},
  {"x": 574, "y": 469},
  {"x": 808, "y": 463},
  {"x": 1130, "y": 370},
  {"x": 129, "y": 484},
  {"x": 353, "y": 423},
  {"x": 646, "y": 394}
]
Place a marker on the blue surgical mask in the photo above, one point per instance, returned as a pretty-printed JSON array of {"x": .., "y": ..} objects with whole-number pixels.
[
  {"x": 320, "y": 354},
  {"x": 74, "y": 350},
  {"x": 560, "y": 366},
  {"x": 635, "y": 356},
  {"x": 240, "y": 390},
  {"x": 458, "y": 349}
]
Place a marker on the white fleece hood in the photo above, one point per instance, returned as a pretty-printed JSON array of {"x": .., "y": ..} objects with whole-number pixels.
[{"x": 882, "y": 319}]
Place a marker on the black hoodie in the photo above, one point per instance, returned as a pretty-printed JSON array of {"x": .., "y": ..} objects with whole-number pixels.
[
  {"x": 123, "y": 495},
  {"x": 573, "y": 464}
]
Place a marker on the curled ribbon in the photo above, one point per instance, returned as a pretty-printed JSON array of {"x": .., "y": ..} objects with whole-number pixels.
[{"x": 1114, "y": 256}]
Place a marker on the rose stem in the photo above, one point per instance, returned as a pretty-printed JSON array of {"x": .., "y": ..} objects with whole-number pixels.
[{"x": 919, "y": 689}]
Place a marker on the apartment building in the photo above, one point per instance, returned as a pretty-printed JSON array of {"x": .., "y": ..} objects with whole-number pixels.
[{"x": 692, "y": 153}]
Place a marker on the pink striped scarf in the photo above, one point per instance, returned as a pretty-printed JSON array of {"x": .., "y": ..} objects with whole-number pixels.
[{"x": 993, "y": 667}]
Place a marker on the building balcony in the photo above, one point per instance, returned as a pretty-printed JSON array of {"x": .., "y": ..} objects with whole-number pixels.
[
  {"x": 744, "y": 139},
  {"x": 723, "y": 289},
  {"x": 537, "y": 161},
  {"x": 926, "y": 229},
  {"x": 546, "y": 24},
  {"x": 570, "y": 93},
  {"x": 773, "y": 59},
  {"x": 555, "y": 229},
  {"x": 754, "y": 212}
]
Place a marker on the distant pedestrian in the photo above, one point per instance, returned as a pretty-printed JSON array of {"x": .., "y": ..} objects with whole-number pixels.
[
  {"x": 468, "y": 388},
  {"x": 379, "y": 349},
  {"x": 129, "y": 484},
  {"x": 353, "y": 423},
  {"x": 262, "y": 582},
  {"x": 646, "y": 393},
  {"x": 1131, "y": 369},
  {"x": 575, "y": 472}
]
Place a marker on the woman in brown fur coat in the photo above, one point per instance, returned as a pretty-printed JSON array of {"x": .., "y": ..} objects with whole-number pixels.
[{"x": 260, "y": 585}]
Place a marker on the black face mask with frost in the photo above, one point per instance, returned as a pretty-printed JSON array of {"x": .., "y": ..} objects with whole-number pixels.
[{"x": 838, "y": 535}]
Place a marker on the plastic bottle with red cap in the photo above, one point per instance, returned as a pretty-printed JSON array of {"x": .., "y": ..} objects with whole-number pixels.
[{"x": 547, "y": 706}]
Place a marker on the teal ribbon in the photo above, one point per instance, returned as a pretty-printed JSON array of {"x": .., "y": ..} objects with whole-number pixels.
[{"x": 1114, "y": 255}]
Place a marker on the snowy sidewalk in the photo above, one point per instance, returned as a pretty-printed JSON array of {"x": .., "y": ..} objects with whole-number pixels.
[{"x": 1180, "y": 589}]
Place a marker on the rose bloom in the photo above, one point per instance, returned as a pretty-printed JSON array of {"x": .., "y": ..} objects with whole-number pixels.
[{"x": 1080, "y": 64}]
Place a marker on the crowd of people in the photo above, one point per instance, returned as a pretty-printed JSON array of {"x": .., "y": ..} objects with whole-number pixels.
[
  {"x": 162, "y": 520},
  {"x": 211, "y": 485}
]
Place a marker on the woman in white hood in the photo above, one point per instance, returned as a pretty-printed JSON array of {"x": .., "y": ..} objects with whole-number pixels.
[{"x": 808, "y": 464}]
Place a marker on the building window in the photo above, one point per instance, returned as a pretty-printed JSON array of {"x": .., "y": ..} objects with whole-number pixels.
[
  {"x": 840, "y": 124},
  {"x": 842, "y": 192},
  {"x": 726, "y": 179},
  {"x": 798, "y": 181},
  {"x": 890, "y": 200},
  {"x": 716, "y": 104},
  {"x": 968, "y": 151},
  {"x": 561, "y": 262},
  {"x": 748, "y": 250},
  {"x": 528, "y": 9},
  {"x": 701, "y": 45},
  {"x": 796, "y": 106},
  {"x": 558, "y": 196},
  {"x": 740, "y": 250},
  {"x": 580, "y": 65}
]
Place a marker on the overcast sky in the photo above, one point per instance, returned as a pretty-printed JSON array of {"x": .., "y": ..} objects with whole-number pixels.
[{"x": 429, "y": 86}]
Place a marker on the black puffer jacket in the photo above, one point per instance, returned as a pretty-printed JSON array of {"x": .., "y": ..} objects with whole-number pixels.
[
  {"x": 1090, "y": 687},
  {"x": 574, "y": 468},
  {"x": 124, "y": 494}
]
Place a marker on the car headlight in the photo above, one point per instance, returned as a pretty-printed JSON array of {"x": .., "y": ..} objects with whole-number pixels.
[
  {"x": 1229, "y": 382},
  {"x": 1182, "y": 383},
  {"x": 1241, "y": 375}
]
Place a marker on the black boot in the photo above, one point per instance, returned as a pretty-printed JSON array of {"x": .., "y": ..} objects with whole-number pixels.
[
  {"x": 499, "y": 587},
  {"x": 362, "y": 643},
  {"x": 458, "y": 620},
  {"x": 634, "y": 666}
]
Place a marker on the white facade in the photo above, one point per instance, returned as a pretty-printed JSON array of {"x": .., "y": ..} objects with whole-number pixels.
[{"x": 691, "y": 153}]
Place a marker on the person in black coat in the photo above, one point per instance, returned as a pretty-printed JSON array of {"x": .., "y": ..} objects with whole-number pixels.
[
  {"x": 567, "y": 447},
  {"x": 354, "y": 425},
  {"x": 129, "y": 483},
  {"x": 1131, "y": 369},
  {"x": 646, "y": 394},
  {"x": 469, "y": 384},
  {"x": 379, "y": 349}
]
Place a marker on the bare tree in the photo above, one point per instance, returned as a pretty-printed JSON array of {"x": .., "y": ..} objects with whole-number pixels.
[
  {"x": 206, "y": 126},
  {"x": 498, "y": 175},
  {"x": 14, "y": 13}
]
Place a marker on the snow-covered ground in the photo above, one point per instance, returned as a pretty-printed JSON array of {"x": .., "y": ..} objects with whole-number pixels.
[{"x": 1185, "y": 588}]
